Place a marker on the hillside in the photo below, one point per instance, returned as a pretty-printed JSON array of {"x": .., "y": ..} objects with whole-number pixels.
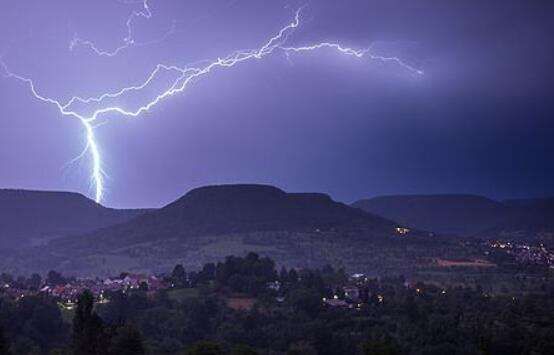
[
  {"x": 34, "y": 216},
  {"x": 227, "y": 209},
  {"x": 531, "y": 219},
  {"x": 209, "y": 223},
  {"x": 462, "y": 215}
]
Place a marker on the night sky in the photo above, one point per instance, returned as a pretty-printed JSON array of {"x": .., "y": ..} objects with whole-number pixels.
[{"x": 480, "y": 120}]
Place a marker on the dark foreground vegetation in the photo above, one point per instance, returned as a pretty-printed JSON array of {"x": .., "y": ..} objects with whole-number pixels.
[{"x": 247, "y": 306}]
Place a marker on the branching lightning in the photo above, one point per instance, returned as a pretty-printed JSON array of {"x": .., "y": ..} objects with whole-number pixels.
[
  {"x": 129, "y": 40},
  {"x": 80, "y": 108},
  {"x": 91, "y": 144},
  {"x": 356, "y": 53}
]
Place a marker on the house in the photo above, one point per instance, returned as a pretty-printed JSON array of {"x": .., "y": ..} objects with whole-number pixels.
[
  {"x": 336, "y": 303},
  {"x": 351, "y": 292},
  {"x": 274, "y": 285}
]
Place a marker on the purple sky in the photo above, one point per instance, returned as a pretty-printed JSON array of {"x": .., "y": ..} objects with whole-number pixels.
[{"x": 479, "y": 121}]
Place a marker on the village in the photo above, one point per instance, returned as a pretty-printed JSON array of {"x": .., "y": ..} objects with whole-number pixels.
[
  {"x": 524, "y": 253},
  {"x": 68, "y": 292},
  {"x": 352, "y": 293}
]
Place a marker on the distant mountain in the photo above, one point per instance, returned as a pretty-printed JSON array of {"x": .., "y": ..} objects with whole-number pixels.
[
  {"x": 227, "y": 209},
  {"x": 468, "y": 215},
  {"x": 544, "y": 204},
  {"x": 462, "y": 215},
  {"x": 34, "y": 216},
  {"x": 240, "y": 208},
  {"x": 209, "y": 223},
  {"x": 530, "y": 219}
]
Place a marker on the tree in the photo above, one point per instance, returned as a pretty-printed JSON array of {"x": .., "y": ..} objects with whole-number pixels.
[
  {"x": 207, "y": 274},
  {"x": 34, "y": 282},
  {"x": 179, "y": 276},
  {"x": 249, "y": 274},
  {"x": 3, "y": 343},
  {"x": 305, "y": 300},
  {"x": 20, "y": 282},
  {"x": 54, "y": 278},
  {"x": 379, "y": 347},
  {"x": 117, "y": 310},
  {"x": 89, "y": 336},
  {"x": 6, "y": 278},
  {"x": 301, "y": 348},
  {"x": 293, "y": 275},
  {"x": 237, "y": 283},
  {"x": 24, "y": 345},
  {"x": 283, "y": 275},
  {"x": 243, "y": 350},
  {"x": 41, "y": 321},
  {"x": 143, "y": 286},
  {"x": 205, "y": 348},
  {"x": 127, "y": 341}
]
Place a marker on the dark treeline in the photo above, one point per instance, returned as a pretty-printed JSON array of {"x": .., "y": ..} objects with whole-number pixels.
[
  {"x": 34, "y": 281},
  {"x": 286, "y": 313}
]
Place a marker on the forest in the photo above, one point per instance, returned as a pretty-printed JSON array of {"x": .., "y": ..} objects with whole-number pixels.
[{"x": 246, "y": 305}]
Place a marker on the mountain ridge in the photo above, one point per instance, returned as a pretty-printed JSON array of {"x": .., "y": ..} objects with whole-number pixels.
[
  {"x": 239, "y": 208},
  {"x": 27, "y": 215},
  {"x": 465, "y": 215}
]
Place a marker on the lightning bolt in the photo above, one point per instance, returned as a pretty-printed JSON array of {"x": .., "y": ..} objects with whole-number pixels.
[
  {"x": 80, "y": 108},
  {"x": 129, "y": 40},
  {"x": 91, "y": 144},
  {"x": 355, "y": 53}
]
